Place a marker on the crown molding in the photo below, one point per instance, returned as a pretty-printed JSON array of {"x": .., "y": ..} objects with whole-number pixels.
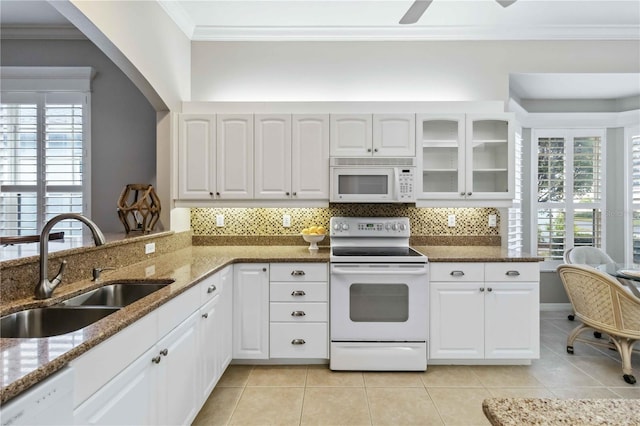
[
  {"x": 219, "y": 33},
  {"x": 177, "y": 13},
  {"x": 67, "y": 32}
]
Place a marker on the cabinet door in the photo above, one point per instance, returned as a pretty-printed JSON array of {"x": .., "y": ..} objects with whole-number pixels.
[
  {"x": 512, "y": 320},
  {"x": 310, "y": 157},
  {"x": 490, "y": 156},
  {"x": 251, "y": 311},
  {"x": 178, "y": 398},
  {"x": 226, "y": 318},
  {"x": 126, "y": 399},
  {"x": 441, "y": 156},
  {"x": 197, "y": 157},
  {"x": 457, "y": 320},
  {"x": 234, "y": 156},
  {"x": 351, "y": 135},
  {"x": 272, "y": 156},
  {"x": 209, "y": 339},
  {"x": 394, "y": 135}
]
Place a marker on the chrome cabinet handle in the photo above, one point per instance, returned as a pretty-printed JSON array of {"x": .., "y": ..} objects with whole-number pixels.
[
  {"x": 264, "y": 269},
  {"x": 156, "y": 359},
  {"x": 297, "y": 273},
  {"x": 298, "y": 293},
  {"x": 295, "y": 193},
  {"x": 368, "y": 149},
  {"x": 481, "y": 289},
  {"x": 287, "y": 194},
  {"x": 512, "y": 273},
  {"x": 489, "y": 289},
  {"x": 298, "y": 342},
  {"x": 205, "y": 316},
  {"x": 462, "y": 193},
  {"x": 211, "y": 288},
  {"x": 211, "y": 193},
  {"x": 218, "y": 194},
  {"x": 164, "y": 352},
  {"x": 468, "y": 193},
  {"x": 456, "y": 273},
  {"x": 298, "y": 314},
  {"x": 375, "y": 150}
]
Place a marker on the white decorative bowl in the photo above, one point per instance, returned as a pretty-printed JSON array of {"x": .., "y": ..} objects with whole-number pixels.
[{"x": 313, "y": 240}]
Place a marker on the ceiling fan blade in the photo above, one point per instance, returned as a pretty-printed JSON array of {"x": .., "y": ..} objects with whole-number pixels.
[
  {"x": 506, "y": 3},
  {"x": 415, "y": 11}
]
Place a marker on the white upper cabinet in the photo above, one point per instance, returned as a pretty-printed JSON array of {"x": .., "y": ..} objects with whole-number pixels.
[
  {"x": 466, "y": 157},
  {"x": 394, "y": 135},
  {"x": 351, "y": 135},
  {"x": 197, "y": 157},
  {"x": 365, "y": 135},
  {"x": 310, "y": 157},
  {"x": 234, "y": 153},
  {"x": 272, "y": 156}
]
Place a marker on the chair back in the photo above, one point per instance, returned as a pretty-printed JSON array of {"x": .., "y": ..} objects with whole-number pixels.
[
  {"x": 586, "y": 255},
  {"x": 600, "y": 301}
]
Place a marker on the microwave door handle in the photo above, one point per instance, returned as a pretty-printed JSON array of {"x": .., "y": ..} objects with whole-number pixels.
[{"x": 396, "y": 177}]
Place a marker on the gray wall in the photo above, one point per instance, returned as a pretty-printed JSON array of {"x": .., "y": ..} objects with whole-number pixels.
[{"x": 123, "y": 123}]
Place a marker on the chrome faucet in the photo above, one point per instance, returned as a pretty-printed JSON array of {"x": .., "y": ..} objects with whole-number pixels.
[{"x": 44, "y": 288}]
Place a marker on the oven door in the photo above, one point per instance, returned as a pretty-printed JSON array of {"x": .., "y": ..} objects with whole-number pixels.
[
  {"x": 368, "y": 185},
  {"x": 379, "y": 302}
]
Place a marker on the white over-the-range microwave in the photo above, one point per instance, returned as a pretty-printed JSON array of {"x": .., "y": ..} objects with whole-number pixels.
[{"x": 372, "y": 180}]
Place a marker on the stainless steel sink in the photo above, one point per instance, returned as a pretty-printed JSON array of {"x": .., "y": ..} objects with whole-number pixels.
[
  {"x": 117, "y": 294},
  {"x": 50, "y": 321}
]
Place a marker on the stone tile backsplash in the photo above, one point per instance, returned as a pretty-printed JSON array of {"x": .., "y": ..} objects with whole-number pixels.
[{"x": 268, "y": 221}]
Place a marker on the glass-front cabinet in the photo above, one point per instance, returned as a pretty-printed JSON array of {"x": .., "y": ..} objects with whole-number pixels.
[{"x": 465, "y": 157}]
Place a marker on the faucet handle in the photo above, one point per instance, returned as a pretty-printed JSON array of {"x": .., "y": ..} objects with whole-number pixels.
[
  {"x": 58, "y": 278},
  {"x": 96, "y": 272}
]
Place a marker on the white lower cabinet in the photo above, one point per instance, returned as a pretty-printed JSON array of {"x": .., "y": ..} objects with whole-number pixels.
[
  {"x": 299, "y": 310},
  {"x": 251, "y": 311},
  {"x": 484, "y": 311},
  {"x": 117, "y": 383}
]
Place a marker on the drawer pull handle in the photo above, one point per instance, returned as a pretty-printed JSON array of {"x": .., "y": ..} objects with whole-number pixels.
[
  {"x": 156, "y": 359},
  {"x": 298, "y": 314},
  {"x": 298, "y": 293},
  {"x": 297, "y": 273},
  {"x": 205, "y": 316},
  {"x": 481, "y": 289},
  {"x": 512, "y": 273},
  {"x": 456, "y": 273},
  {"x": 489, "y": 289},
  {"x": 211, "y": 288},
  {"x": 164, "y": 352},
  {"x": 298, "y": 342}
]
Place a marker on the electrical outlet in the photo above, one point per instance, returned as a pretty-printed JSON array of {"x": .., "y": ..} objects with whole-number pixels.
[
  {"x": 451, "y": 220},
  {"x": 219, "y": 220},
  {"x": 149, "y": 248},
  {"x": 286, "y": 220},
  {"x": 150, "y": 270},
  {"x": 493, "y": 220}
]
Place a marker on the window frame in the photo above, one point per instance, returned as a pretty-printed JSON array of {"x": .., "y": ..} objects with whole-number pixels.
[
  {"x": 569, "y": 134},
  {"x": 58, "y": 83}
]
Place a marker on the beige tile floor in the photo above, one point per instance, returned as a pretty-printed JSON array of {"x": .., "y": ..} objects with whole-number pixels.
[{"x": 451, "y": 395}]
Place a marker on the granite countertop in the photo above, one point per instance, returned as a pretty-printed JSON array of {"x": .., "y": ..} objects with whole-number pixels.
[
  {"x": 547, "y": 411},
  {"x": 28, "y": 361}
]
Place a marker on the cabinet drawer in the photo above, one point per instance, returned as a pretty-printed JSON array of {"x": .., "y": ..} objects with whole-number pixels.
[
  {"x": 512, "y": 271},
  {"x": 298, "y": 292},
  {"x": 209, "y": 288},
  {"x": 298, "y": 272},
  {"x": 313, "y": 339},
  {"x": 457, "y": 271},
  {"x": 299, "y": 312}
]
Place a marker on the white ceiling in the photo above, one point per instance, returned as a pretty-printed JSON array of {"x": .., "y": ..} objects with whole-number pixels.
[{"x": 377, "y": 20}]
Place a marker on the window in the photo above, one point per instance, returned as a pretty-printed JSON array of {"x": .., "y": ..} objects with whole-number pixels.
[
  {"x": 43, "y": 156},
  {"x": 634, "y": 196},
  {"x": 569, "y": 200}
]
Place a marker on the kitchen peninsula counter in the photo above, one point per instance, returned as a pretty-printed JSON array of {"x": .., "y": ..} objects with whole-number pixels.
[{"x": 29, "y": 361}]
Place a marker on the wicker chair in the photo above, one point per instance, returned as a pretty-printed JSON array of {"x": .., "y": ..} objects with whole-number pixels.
[
  {"x": 602, "y": 304},
  {"x": 586, "y": 255}
]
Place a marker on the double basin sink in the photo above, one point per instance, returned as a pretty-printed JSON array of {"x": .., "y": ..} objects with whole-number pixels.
[{"x": 79, "y": 311}]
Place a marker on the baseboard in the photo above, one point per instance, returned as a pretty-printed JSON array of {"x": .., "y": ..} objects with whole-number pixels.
[{"x": 555, "y": 306}]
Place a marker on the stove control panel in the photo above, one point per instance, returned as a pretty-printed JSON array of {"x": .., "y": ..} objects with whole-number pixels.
[{"x": 370, "y": 227}]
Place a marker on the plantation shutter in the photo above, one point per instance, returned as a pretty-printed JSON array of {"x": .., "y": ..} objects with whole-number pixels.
[{"x": 635, "y": 196}]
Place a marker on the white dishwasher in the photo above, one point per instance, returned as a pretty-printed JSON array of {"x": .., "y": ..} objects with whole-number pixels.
[{"x": 50, "y": 402}]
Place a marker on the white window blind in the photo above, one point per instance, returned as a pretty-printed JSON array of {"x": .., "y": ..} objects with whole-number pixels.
[
  {"x": 635, "y": 198},
  {"x": 515, "y": 224},
  {"x": 42, "y": 151},
  {"x": 569, "y": 197}
]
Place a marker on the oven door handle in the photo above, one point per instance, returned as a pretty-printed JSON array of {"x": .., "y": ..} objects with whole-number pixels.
[{"x": 382, "y": 269}]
